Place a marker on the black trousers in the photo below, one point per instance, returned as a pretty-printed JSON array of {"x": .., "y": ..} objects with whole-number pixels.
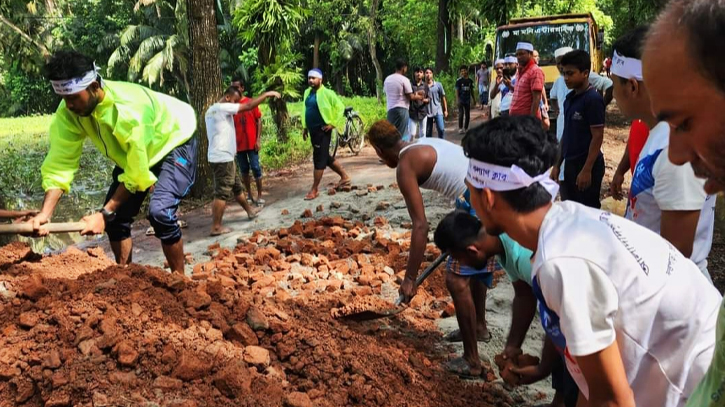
[
  {"x": 464, "y": 115},
  {"x": 562, "y": 382},
  {"x": 570, "y": 191},
  {"x": 321, "y": 140}
]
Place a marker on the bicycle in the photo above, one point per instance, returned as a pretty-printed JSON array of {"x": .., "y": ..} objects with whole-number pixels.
[{"x": 353, "y": 135}]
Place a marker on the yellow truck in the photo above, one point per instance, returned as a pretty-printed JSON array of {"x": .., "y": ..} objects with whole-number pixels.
[{"x": 548, "y": 34}]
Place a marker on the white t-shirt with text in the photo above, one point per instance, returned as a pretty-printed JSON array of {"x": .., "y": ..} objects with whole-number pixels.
[
  {"x": 659, "y": 185},
  {"x": 396, "y": 87},
  {"x": 601, "y": 278},
  {"x": 220, "y": 132}
]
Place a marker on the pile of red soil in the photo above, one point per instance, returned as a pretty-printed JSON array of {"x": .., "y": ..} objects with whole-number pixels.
[{"x": 253, "y": 327}]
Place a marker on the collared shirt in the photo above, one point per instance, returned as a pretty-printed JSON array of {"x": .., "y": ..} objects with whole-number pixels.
[
  {"x": 133, "y": 126},
  {"x": 530, "y": 79},
  {"x": 581, "y": 112}
]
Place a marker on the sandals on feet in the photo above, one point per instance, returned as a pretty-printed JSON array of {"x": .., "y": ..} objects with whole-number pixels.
[
  {"x": 223, "y": 231},
  {"x": 460, "y": 367},
  {"x": 343, "y": 183},
  {"x": 456, "y": 336}
]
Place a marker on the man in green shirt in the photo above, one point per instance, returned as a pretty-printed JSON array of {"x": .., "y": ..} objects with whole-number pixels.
[
  {"x": 148, "y": 135},
  {"x": 323, "y": 112},
  {"x": 463, "y": 236}
]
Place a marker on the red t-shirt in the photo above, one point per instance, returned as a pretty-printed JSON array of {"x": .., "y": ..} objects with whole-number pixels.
[
  {"x": 245, "y": 124},
  {"x": 530, "y": 79},
  {"x": 638, "y": 134}
]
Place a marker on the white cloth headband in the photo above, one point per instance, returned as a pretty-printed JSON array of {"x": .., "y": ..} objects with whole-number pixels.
[
  {"x": 627, "y": 68},
  {"x": 76, "y": 85},
  {"x": 498, "y": 61},
  {"x": 314, "y": 74},
  {"x": 511, "y": 60},
  {"x": 497, "y": 178},
  {"x": 525, "y": 46}
]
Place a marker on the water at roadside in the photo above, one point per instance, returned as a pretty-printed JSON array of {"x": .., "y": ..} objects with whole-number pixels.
[{"x": 71, "y": 208}]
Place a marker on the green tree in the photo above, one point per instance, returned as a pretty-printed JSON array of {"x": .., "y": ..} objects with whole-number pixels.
[
  {"x": 272, "y": 26},
  {"x": 155, "y": 50}
]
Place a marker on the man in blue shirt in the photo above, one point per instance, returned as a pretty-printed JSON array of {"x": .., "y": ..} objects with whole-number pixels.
[
  {"x": 581, "y": 143},
  {"x": 463, "y": 236}
]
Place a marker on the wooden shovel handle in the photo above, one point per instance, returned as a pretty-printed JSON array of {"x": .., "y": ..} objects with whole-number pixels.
[{"x": 27, "y": 228}]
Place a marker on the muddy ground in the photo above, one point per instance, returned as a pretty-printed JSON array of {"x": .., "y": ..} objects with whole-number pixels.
[{"x": 252, "y": 323}]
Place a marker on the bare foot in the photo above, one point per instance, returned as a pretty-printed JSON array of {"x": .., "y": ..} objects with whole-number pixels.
[
  {"x": 311, "y": 195},
  {"x": 252, "y": 213}
]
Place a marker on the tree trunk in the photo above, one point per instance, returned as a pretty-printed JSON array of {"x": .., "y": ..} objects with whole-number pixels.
[
  {"x": 316, "y": 52},
  {"x": 372, "y": 46},
  {"x": 460, "y": 29},
  {"x": 205, "y": 80},
  {"x": 443, "y": 49}
]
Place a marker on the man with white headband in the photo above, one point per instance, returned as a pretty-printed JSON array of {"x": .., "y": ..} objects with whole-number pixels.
[
  {"x": 529, "y": 84},
  {"x": 683, "y": 57},
  {"x": 633, "y": 318},
  {"x": 148, "y": 135},
  {"x": 505, "y": 86},
  {"x": 323, "y": 112},
  {"x": 440, "y": 166},
  {"x": 665, "y": 198}
]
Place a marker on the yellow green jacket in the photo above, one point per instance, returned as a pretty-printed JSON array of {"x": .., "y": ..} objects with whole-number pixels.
[
  {"x": 330, "y": 105},
  {"x": 133, "y": 126}
]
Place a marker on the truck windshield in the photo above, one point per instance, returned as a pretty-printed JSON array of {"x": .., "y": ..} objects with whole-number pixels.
[{"x": 546, "y": 39}]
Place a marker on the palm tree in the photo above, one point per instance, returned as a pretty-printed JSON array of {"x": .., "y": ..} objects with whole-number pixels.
[
  {"x": 271, "y": 25},
  {"x": 154, "y": 51}
]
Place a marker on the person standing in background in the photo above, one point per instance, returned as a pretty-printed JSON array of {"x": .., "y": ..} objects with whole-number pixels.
[
  {"x": 529, "y": 84},
  {"x": 494, "y": 93},
  {"x": 418, "y": 108},
  {"x": 248, "y": 125},
  {"x": 581, "y": 145},
  {"x": 399, "y": 94},
  {"x": 437, "y": 107},
  {"x": 323, "y": 112},
  {"x": 506, "y": 85},
  {"x": 464, "y": 98},
  {"x": 483, "y": 79}
]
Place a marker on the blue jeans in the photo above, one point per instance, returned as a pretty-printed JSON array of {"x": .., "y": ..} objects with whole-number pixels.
[
  {"x": 175, "y": 175},
  {"x": 440, "y": 126},
  {"x": 249, "y": 159}
]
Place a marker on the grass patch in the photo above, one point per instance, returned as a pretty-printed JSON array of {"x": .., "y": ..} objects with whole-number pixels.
[{"x": 24, "y": 144}]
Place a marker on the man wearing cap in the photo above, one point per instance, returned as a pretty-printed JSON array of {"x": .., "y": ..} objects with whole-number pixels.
[
  {"x": 559, "y": 89},
  {"x": 494, "y": 93},
  {"x": 148, "y": 135},
  {"x": 529, "y": 84},
  {"x": 505, "y": 86},
  {"x": 323, "y": 112},
  {"x": 632, "y": 317}
]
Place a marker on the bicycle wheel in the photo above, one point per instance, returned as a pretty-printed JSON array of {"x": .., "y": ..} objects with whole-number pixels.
[
  {"x": 334, "y": 140},
  {"x": 356, "y": 135}
]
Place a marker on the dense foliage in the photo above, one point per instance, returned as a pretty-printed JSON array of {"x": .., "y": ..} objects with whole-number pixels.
[{"x": 267, "y": 42}]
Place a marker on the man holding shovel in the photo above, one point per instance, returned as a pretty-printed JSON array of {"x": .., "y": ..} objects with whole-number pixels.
[
  {"x": 441, "y": 166},
  {"x": 148, "y": 135}
]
